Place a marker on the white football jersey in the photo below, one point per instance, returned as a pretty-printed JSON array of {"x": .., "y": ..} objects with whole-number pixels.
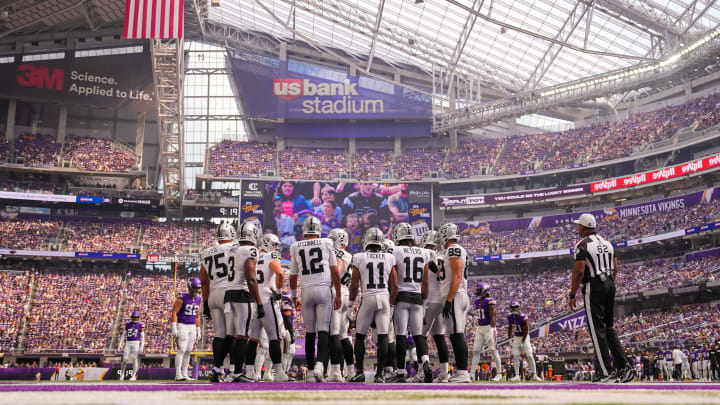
[
  {"x": 346, "y": 272},
  {"x": 434, "y": 282},
  {"x": 374, "y": 268},
  {"x": 453, "y": 251},
  {"x": 411, "y": 261},
  {"x": 220, "y": 265},
  {"x": 311, "y": 259},
  {"x": 240, "y": 255},
  {"x": 265, "y": 276}
]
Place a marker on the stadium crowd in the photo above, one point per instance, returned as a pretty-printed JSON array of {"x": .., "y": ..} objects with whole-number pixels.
[
  {"x": 97, "y": 154},
  {"x": 230, "y": 158},
  {"x": 372, "y": 164},
  {"x": 13, "y": 306},
  {"x": 88, "y": 236},
  {"x": 87, "y": 298},
  {"x": 37, "y": 150},
  {"x": 313, "y": 163}
]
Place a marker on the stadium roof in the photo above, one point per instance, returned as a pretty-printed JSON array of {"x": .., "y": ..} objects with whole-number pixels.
[{"x": 516, "y": 44}]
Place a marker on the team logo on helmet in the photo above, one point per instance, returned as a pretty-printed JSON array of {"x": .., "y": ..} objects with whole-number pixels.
[
  {"x": 224, "y": 231},
  {"x": 387, "y": 246},
  {"x": 373, "y": 236},
  {"x": 270, "y": 243},
  {"x": 312, "y": 226},
  {"x": 247, "y": 232},
  {"x": 194, "y": 284},
  {"x": 428, "y": 239},
  {"x": 339, "y": 237},
  {"x": 448, "y": 232},
  {"x": 403, "y": 231}
]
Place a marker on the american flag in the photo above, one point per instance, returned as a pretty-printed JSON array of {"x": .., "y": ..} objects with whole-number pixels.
[{"x": 153, "y": 19}]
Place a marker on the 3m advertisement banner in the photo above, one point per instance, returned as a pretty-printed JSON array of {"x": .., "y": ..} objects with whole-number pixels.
[
  {"x": 299, "y": 90},
  {"x": 109, "y": 81},
  {"x": 102, "y": 255},
  {"x": 529, "y": 195},
  {"x": 281, "y": 207},
  {"x": 657, "y": 175}
]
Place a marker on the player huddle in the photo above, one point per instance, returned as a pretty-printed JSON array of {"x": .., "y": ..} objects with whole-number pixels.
[{"x": 398, "y": 289}]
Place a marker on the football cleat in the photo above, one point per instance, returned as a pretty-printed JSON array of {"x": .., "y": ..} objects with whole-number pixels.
[
  {"x": 398, "y": 378},
  {"x": 335, "y": 376},
  {"x": 379, "y": 379},
  {"x": 441, "y": 379},
  {"x": 181, "y": 378},
  {"x": 268, "y": 377},
  {"x": 536, "y": 378},
  {"x": 242, "y": 378},
  {"x": 610, "y": 379},
  {"x": 215, "y": 375},
  {"x": 427, "y": 373},
  {"x": 497, "y": 378},
  {"x": 627, "y": 374},
  {"x": 319, "y": 375},
  {"x": 358, "y": 377},
  {"x": 460, "y": 378},
  {"x": 281, "y": 377},
  {"x": 134, "y": 378},
  {"x": 515, "y": 379},
  {"x": 122, "y": 377},
  {"x": 419, "y": 378}
]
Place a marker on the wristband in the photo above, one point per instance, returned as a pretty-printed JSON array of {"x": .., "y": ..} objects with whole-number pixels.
[{"x": 293, "y": 293}]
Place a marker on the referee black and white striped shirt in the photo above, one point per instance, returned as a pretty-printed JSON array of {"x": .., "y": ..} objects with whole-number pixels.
[{"x": 598, "y": 255}]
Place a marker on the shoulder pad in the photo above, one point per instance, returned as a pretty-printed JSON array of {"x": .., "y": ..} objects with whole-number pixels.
[{"x": 491, "y": 302}]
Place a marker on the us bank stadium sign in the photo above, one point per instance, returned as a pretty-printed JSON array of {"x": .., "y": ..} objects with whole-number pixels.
[{"x": 153, "y": 258}]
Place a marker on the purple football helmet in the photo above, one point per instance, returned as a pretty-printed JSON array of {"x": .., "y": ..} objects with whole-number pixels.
[
  {"x": 194, "y": 284},
  {"x": 483, "y": 289},
  {"x": 135, "y": 315},
  {"x": 514, "y": 307}
]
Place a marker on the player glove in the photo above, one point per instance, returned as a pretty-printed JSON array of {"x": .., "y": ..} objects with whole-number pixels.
[
  {"x": 206, "y": 310},
  {"x": 260, "y": 311},
  {"x": 174, "y": 329},
  {"x": 277, "y": 296},
  {"x": 447, "y": 310},
  {"x": 198, "y": 334}
]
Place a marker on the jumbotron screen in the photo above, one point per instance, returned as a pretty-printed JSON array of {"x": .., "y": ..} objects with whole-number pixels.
[{"x": 281, "y": 207}]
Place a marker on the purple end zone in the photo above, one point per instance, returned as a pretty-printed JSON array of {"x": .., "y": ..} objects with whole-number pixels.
[{"x": 77, "y": 387}]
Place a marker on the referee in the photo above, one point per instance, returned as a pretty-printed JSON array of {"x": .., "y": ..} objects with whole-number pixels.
[{"x": 596, "y": 268}]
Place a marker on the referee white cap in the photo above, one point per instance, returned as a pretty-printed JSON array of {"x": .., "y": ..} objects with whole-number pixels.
[{"x": 586, "y": 220}]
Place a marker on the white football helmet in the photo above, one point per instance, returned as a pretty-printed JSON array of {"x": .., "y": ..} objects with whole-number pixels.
[
  {"x": 428, "y": 239},
  {"x": 312, "y": 226},
  {"x": 339, "y": 237},
  {"x": 448, "y": 232},
  {"x": 224, "y": 231},
  {"x": 247, "y": 232},
  {"x": 403, "y": 231},
  {"x": 387, "y": 246},
  {"x": 270, "y": 243},
  {"x": 373, "y": 236}
]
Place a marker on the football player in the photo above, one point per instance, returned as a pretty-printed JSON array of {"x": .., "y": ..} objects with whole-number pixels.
[
  {"x": 518, "y": 328},
  {"x": 387, "y": 247},
  {"x": 270, "y": 279},
  {"x": 185, "y": 326},
  {"x": 242, "y": 297},
  {"x": 485, "y": 332},
  {"x": 374, "y": 271},
  {"x": 134, "y": 338},
  {"x": 316, "y": 260},
  {"x": 433, "y": 321},
  {"x": 215, "y": 277},
  {"x": 412, "y": 267},
  {"x": 453, "y": 279},
  {"x": 341, "y": 318},
  {"x": 288, "y": 335}
]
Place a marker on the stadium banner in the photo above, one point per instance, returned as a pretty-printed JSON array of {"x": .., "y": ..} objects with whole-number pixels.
[
  {"x": 144, "y": 373},
  {"x": 26, "y": 373},
  {"x": 136, "y": 202},
  {"x": 161, "y": 258},
  {"x": 420, "y": 209},
  {"x": 702, "y": 228},
  {"x": 300, "y": 90},
  {"x": 356, "y": 129},
  {"x": 702, "y": 254},
  {"x": 665, "y": 173},
  {"x": 503, "y": 198},
  {"x": 569, "y": 322},
  {"x": 281, "y": 207},
  {"x": 102, "y": 255},
  {"x": 43, "y": 253},
  {"x": 108, "y": 81}
]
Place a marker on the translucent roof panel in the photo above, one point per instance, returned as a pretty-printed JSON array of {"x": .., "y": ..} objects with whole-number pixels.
[{"x": 429, "y": 35}]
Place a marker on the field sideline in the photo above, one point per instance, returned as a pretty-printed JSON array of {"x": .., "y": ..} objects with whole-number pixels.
[{"x": 347, "y": 393}]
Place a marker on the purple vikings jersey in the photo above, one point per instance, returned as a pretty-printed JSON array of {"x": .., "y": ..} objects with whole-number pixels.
[
  {"x": 133, "y": 330},
  {"x": 189, "y": 309},
  {"x": 484, "y": 315},
  {"x": 516, "y": 321},
  {"x": 706, "y": 354},
  {"x": 668, "y": 355}
]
